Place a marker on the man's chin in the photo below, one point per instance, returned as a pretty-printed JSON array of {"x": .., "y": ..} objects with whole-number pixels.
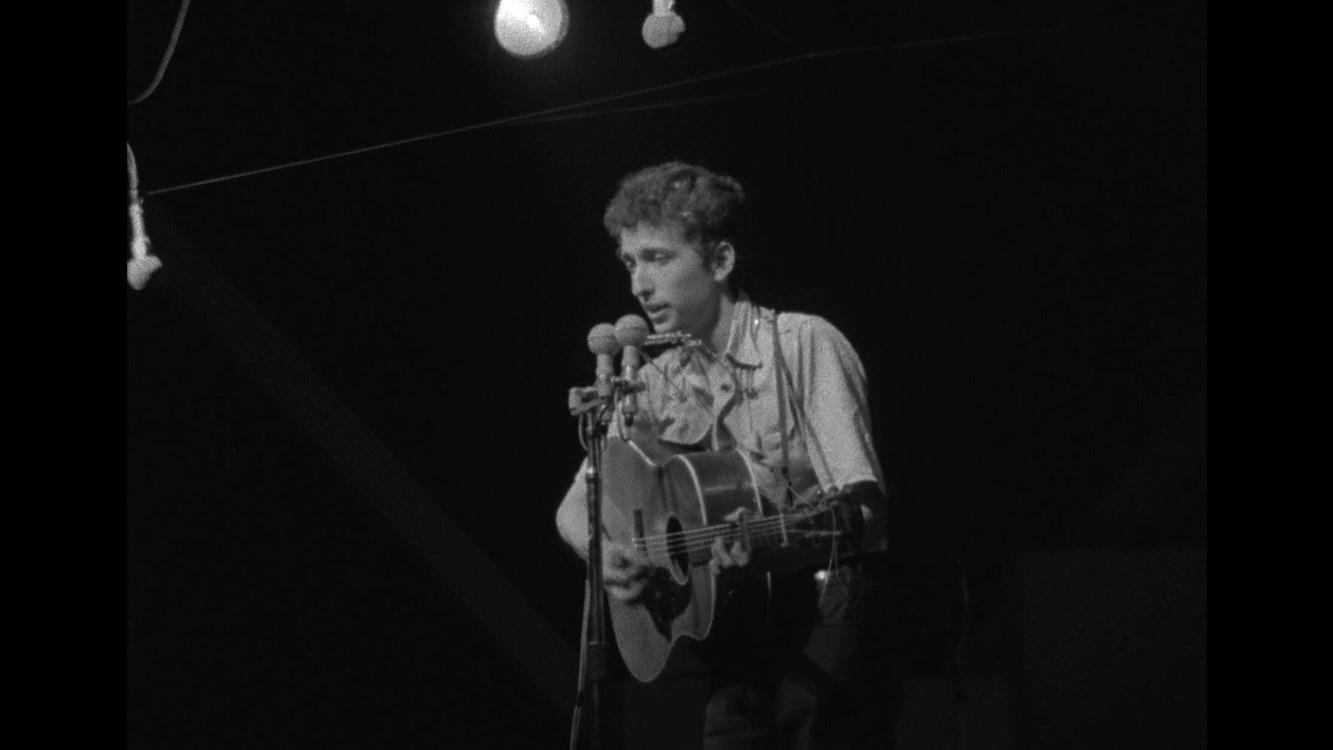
[{"x": 663, "y": 322}]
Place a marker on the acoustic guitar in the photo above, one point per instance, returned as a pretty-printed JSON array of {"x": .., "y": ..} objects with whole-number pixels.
[{"x": 672, "y": 507}]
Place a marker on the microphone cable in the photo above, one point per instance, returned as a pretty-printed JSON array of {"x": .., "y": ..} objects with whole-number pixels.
[
  {"x": 576, "y": 719},
  {"x": 955, "y": 735},
  {"x": 171, "y": 49}
]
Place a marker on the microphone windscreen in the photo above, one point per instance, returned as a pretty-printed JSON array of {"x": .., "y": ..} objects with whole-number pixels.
[
  {"x": 602, "y": 339},
  {"x": 138, "y": 269},
  {"x": 631, "y": 330}
]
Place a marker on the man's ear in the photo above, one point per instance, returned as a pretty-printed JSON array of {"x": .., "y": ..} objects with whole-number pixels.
[{"x": 724, "y": 260}]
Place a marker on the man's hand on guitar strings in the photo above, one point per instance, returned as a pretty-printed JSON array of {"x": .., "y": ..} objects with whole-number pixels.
[
  {"x": 728, "y": 565},
  {"x": 724, "y": 558},
  {"x": 625, "y": 571}
]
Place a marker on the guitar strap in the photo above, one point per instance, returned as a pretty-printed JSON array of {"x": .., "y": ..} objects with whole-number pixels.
[
  {"x": 781, "y": 375},
  {"x": 780, "y": 372},
  {"x": 784, "y": 381}
]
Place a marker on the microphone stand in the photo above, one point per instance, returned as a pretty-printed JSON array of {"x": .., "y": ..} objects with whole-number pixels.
[
  {"x": 596, "y": 407},
  {"x": 595, "y": 416}
]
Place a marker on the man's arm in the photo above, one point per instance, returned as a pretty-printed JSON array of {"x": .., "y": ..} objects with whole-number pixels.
[
  {"x": 833, "y": 396},
  {"x": 571, "y": 518},
  {"x": 624, "y": 569}
]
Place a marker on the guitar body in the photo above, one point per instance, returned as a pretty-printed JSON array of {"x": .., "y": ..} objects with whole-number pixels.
[{"x": 670, "y": 507}]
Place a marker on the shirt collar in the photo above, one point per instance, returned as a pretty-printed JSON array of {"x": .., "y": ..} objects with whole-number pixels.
[{"x": 742, "y": 345}]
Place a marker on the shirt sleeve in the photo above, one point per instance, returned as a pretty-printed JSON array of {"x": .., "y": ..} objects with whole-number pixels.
[{"x": 833, "y": 407}]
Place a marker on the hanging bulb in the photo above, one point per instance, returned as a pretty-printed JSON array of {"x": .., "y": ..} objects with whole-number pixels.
[
  {"x": 530, "y": 28},
  {"x": 662, "y": 27}
]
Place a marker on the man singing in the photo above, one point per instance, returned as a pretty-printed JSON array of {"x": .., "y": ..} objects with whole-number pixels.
[{"x": 786, "y": 654}]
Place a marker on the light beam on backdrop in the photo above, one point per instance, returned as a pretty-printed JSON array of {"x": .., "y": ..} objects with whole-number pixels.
[
  {"x": 662, "y": 26},
  {"x": 530, "y": 28}
]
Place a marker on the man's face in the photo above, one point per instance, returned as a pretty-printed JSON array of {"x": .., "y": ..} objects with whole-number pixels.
[{"x": 669, "y": 278}]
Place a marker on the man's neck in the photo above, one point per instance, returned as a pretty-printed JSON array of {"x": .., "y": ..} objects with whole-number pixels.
[{"x": 718, "y": 338}]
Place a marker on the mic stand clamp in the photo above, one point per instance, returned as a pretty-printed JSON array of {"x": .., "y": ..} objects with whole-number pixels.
[{"x": 582, "y": 400}]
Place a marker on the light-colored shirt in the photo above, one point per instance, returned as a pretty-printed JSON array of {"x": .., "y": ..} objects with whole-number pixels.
[{"x": 696, "y": 398}]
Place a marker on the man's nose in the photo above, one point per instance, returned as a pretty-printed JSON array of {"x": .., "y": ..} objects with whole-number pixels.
[{"x": 639, "y": 283}]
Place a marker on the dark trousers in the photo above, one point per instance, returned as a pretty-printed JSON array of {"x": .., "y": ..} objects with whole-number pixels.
[{"x": 803, "y": 669}]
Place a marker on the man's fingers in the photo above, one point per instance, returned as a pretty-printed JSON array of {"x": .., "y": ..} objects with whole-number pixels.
[
  {"x": 723, "y": 557},
  {"x": 625, "y": 573},
  {"x": 720, "y": 554},
  {"x": 629, "y": 560},
  {"x": 739, "y": 555},
  {"x": 626, "y": 592}
]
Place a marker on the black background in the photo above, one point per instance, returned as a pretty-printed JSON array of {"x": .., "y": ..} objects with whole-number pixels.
[{"x": 1001, "y": 205}]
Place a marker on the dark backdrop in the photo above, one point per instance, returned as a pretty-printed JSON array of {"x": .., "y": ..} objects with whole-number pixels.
[{"x": 1001, "y": 206}]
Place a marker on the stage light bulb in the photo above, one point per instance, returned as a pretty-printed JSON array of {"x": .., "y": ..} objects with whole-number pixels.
[{"x": 530, "y": 28}]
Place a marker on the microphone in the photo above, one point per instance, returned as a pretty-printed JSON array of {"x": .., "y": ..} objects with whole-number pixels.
[
  {"x": 602, "y": 342},
  {"x": 142, "y": 262},
  {"x": 662, "y": 26},
  {"x": 631, "y": 333}
]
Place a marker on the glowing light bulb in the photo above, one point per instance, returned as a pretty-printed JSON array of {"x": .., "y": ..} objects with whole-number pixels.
[{"x": 530, "y": 28}]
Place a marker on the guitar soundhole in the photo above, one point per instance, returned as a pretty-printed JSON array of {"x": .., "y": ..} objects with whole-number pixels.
[{"x": 677, "y": 550}]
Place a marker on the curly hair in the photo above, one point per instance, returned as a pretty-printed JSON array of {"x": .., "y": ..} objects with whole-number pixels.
[{"x": 704, "y": 205}]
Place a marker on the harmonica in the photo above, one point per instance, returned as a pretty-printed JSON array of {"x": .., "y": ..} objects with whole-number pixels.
[{"x": 669, "y": 339}]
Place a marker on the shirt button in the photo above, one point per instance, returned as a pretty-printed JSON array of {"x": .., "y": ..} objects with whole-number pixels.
[{"x": 725, "y": 387}]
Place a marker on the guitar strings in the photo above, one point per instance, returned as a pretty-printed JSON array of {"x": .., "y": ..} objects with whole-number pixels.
[
  {"x": 696, "y": 539},
  {"x": 705, "y": 539},
  {"x": 762, "y": 525},
  {"x": 702, "y": 545}
]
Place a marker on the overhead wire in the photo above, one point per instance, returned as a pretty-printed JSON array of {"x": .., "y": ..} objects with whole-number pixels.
[
  {"x": 765, "y": 25},
  {"x": 649, "y": 107},
  {"x": 543, "y": 114}
]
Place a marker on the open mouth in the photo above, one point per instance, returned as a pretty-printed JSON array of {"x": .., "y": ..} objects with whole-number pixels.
[{"x": 657, "y": 313}]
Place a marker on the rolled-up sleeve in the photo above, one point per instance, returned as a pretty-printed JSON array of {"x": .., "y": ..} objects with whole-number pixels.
[{"x": 831, "y": 382}]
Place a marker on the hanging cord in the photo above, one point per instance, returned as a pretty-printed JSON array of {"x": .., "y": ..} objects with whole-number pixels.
[
  {"x": 171, "y": 49},
  {"x": 142, "y": 263}
]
